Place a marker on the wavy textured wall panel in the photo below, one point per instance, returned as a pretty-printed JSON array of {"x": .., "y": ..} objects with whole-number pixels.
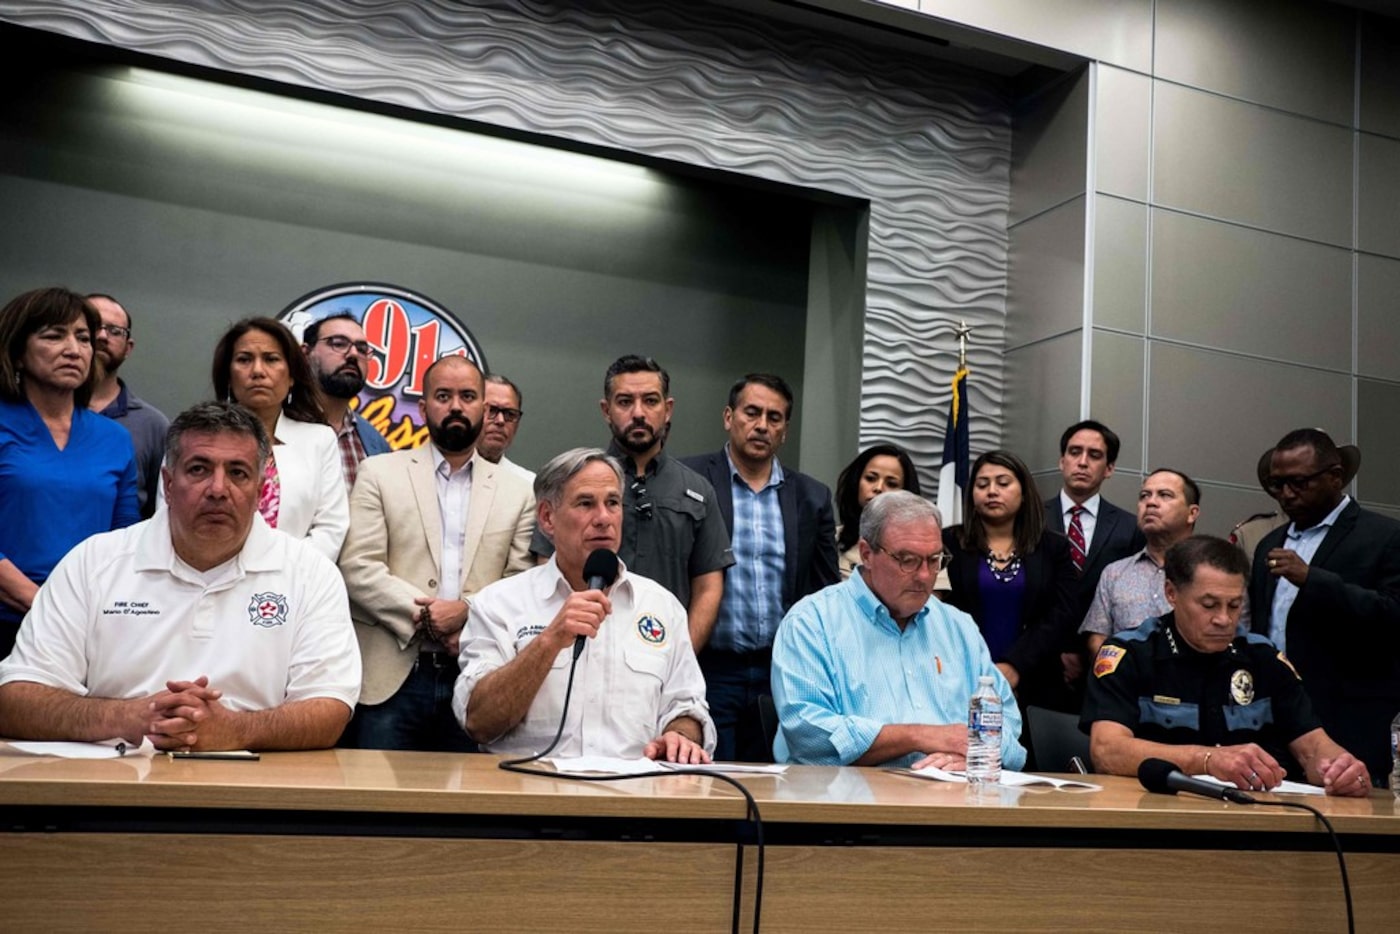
[{"x": 926, "y": 144}]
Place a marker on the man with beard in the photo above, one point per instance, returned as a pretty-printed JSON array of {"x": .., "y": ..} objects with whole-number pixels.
[
  {"x": 335, "y": 347},
  {"x": 429, "y": 528},
  {"x": 503, "y": 413},
  {"x": 672, "y": 531},
  {"x": 146, "y": 424}
]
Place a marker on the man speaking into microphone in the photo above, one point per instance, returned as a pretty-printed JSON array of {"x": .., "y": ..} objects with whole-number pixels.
[
  {"x": 637, "y": 690},
  {"x": 1188, "y": 689}
]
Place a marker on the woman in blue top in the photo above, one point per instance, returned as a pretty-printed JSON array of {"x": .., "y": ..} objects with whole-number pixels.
[
  {"x": 1014, "y": 577},
  {"x": 65, "y": 472}
]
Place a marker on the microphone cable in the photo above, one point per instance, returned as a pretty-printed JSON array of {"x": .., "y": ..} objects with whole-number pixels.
[
  {"x": 751, "y": 814},
  {"x": 1336, "y": 844}
]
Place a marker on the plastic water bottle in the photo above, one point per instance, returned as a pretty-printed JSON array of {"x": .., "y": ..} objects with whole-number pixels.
[
  {"x": 1395, "y": 755},
  {"x": 984, "y": 734}
]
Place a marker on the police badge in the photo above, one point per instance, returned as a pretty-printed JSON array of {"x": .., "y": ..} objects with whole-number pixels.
[{"x": 1242, "y": 687}]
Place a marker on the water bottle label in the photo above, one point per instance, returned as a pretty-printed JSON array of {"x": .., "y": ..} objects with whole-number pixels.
[{"x": 986, "y": 724}]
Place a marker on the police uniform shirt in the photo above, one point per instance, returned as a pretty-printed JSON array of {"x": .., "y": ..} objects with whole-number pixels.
[{"x": 1151, "y": 681}]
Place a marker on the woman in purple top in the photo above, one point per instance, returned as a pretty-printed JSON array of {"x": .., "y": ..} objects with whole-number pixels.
[
  {"x": 1014, "y": 577},
  {"x": 65, "y": 472}
]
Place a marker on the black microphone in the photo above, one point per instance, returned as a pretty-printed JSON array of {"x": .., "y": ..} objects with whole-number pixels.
[
  {"x": 599, "y": 571},
  {"x": 1164, "y": 778}
]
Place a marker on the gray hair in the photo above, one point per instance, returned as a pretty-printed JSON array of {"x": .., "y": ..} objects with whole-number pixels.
[
  {"x": 217, "y": 418},
  {"x": 554, "y": 476},
  {"x": 894, "y": 508}
]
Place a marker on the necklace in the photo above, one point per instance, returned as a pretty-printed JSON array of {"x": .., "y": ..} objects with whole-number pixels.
[{"x": 1004, "y": 568}]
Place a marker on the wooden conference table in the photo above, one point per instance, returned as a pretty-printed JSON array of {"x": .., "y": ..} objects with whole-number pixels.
[{"x": 372, "y": 841}]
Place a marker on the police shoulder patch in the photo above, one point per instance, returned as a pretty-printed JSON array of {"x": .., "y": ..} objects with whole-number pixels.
[{"x": 1106, "y": 662}]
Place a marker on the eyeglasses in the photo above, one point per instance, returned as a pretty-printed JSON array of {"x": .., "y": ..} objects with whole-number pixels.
[
  {"x": 1276, "y": 484},
  {"x": 509, "y": 416},
  {"x": 910, "y": 564},
  {"x": 115, "y": 330},
  {"x": 342, "y": 345},
  {"x": 641, "y": 503}
]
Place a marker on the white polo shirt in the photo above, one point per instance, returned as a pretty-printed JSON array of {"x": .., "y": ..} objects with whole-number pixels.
[
  {"x": 636, "y": 676},
  {"x": 121, "y": 615}
]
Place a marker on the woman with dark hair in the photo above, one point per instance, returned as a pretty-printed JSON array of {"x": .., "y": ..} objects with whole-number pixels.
[
  {"x": 65, "y": 472},
  {"x": 878, "y": 469},
  {"x": 1014, "y": 577},
  {"x": 259, "y": 365}
]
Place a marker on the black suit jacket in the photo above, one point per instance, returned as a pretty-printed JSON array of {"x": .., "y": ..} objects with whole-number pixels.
[
  {"x": 809, "y": 524},
  {"x": 1047, "y": 613},
  {"x": 1343, "y": 630},
  {"x": 1116, "y": 535}
]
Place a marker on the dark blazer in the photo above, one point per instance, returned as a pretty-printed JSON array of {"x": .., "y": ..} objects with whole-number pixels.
[
  {"x": 1116, "y": 535},
  {"x": 809, "y": 524},
  {"x": 1343, "y": 630},
  {"x": 1047, "y": 613}
]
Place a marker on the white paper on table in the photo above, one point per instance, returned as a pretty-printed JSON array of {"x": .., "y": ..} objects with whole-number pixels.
[
  {"x": 606, "y": 765},
  {"x": 107, "y": 749},
  {"x": 1008, "y": 778},
  {"x": 1285, "y": 788},
  {"x": 727, "y": 767}
]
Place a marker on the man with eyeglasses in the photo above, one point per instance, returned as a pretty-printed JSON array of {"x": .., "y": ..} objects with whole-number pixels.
[
  {"x": 672, "y": 531},
  {"x": 877, "y": 671},
  {"x": 504, "y": 409},
  {"x": 336, "y": 348},
  {"x": 1326, "y": 591},
  {"x": 783, "y": 535},
  {"x": 146, "y": 424}
]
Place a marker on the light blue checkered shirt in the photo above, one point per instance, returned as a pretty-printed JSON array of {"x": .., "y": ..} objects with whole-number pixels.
[
  {"x": 752, "y": 605},
  {"x": 842, "y": 670}
]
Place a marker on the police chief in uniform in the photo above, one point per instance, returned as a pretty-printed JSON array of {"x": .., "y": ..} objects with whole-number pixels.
[{"x": 1185, "y": 688}]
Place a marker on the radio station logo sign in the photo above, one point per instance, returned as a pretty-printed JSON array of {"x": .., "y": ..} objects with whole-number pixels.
[{"x": 406, "y": 332}]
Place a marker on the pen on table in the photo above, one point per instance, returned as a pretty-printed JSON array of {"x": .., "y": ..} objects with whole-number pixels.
[{"x": 121, "y": 749}]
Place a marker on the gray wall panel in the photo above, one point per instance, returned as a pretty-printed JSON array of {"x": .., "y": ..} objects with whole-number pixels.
[
  {"x": 1122, "y": 118},
  {"x": 1296, "y": 55},
  {"x": 1116, "y": 392},
  {"x": 1239, "y": 289},
  {"x": 1378, "y": 324},
  {"x": 1380, "y": 74},
  {"x": 1205, "y": 421},
  {"x": 1043, "y": 397},
  {"x": 1377, "y": 415},
  {"x": 1048, "y": 146},
  {"x": 1119, "y": 32},
  {"x": 1046, "y": 280},
  {"x": 1222, "y": 507},
  {"x": 1380, "y": 195},
  {"x": 1236, "y": 161},
  {"x": 1120, "y": 264}
]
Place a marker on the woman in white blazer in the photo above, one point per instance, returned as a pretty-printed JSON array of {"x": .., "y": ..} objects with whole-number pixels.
[{"x": 259, "y": 365}]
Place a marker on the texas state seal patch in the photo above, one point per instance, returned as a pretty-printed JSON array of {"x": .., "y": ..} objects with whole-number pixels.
[
  {"x": 651, "y": 629},
  {"x": 267, "y": 610},
  {"x": 1106, "y": 662}
]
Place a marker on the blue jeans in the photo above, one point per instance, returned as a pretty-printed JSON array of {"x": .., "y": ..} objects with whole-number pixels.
[
  {"x": 734, "y": 681},
  {"x": 418, "y": 716}
]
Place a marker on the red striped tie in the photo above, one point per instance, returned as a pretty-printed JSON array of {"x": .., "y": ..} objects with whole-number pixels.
[{"x": 1076, "y": 539}]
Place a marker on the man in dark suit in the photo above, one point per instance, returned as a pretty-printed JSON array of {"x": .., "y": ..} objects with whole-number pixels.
[
  {"x": 1099, "y": 532},
  {"x": 783, "y": 534},
  {"x": 1325, "y": 589}
]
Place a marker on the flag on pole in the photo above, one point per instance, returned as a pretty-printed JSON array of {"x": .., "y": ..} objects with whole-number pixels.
[{"x": 952, "y": 477}]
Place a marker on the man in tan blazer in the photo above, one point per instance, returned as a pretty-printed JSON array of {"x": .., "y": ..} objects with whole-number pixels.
[{"x": 429, "y": 527}]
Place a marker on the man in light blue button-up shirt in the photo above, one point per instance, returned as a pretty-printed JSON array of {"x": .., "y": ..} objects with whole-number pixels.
[{"x": 875, "y": 670}]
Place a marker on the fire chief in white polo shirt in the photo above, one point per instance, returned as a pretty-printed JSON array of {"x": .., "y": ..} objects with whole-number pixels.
[{"x": 201, "y": 628}]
